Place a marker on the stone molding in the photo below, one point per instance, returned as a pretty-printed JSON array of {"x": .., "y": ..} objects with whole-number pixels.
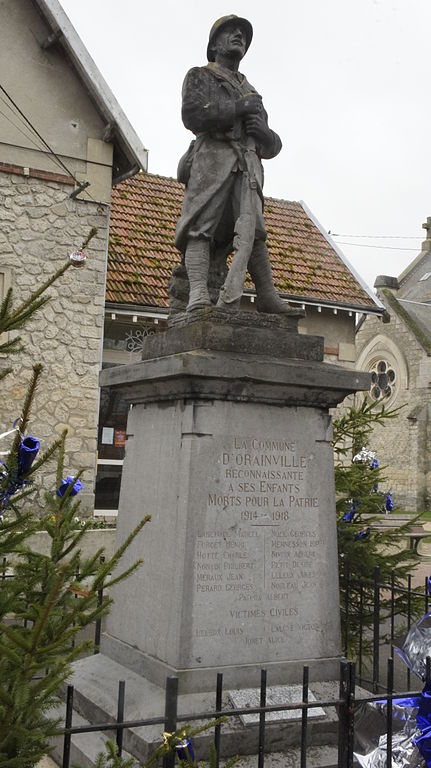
[{"x": 208, "y": 374}]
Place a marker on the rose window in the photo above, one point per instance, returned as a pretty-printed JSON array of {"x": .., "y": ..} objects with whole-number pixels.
[{"x": 383, "y": 380}]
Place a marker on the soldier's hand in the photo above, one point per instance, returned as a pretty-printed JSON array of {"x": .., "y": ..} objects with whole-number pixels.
[
  {"x": 256, "y": 126},
  {"x": 248, "y": 105}
]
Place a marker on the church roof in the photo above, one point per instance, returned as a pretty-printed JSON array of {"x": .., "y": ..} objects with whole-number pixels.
[
  {"x": 415, "y": 281},
  {"x": 415, "y": 314},
  {"x": 307, "y": 265}
]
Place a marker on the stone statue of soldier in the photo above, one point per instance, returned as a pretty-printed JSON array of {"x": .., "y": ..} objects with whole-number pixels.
[{"x": 222, "y": 170}]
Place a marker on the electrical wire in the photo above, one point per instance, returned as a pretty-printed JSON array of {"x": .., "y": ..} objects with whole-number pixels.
[
  {"x": 54, "y": 155},
  {"x": 45, "y": 143},
  {"x": 45, "y": 151},
  {"x": 378, "y": 237},
  {"x": 20, "y": 129},
  {"x": 379, "y": 247}
]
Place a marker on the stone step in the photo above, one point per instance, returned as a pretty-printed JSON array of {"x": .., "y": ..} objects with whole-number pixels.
[
  {"x": 317, "y": 757},
  {"x": 85, "y": 747},
  {"x": 95, "y": 680}
]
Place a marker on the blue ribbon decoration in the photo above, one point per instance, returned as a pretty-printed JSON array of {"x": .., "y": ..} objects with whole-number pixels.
[
  {"x": 27, "y": 453},
  {"x": 185, "y": 751},
  {"x": 362, "y": 534},
  {"x": 77, "y": 486},
  {"x": 423, "y": 719},
  {"x": 351, "y": 512},
  {"x": 389, "y": 502}
]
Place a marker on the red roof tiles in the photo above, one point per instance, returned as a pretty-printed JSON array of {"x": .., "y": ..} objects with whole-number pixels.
[{"x": 144, "y": 212}]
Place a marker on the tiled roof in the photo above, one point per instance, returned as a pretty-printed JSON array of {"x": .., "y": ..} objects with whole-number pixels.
[{"x": 144, "y": 213}]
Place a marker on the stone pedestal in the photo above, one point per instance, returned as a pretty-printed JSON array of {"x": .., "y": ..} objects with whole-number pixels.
[{"x": 229, "y": 450}]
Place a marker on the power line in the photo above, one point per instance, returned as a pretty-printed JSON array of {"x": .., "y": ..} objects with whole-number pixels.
[
  {"x": 379, "y": 247},
  {"x": 19, "y": 128},
  {"x": 45, "y": 143},
  {"x": 378, "y": 237},
  {"x": 45, "y": 151}
]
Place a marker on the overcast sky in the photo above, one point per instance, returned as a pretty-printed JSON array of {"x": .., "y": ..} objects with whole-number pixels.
[{"x": 346, "y": 84}]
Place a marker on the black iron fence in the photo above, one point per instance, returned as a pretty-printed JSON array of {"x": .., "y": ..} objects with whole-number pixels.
[
  {"x": 380, "y": 613},
  {"x": 378, "y": 624},
  {"x": 345, "y": 704}
]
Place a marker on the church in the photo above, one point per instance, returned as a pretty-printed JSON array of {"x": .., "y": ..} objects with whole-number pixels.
[{"x": 397, "y": 352}]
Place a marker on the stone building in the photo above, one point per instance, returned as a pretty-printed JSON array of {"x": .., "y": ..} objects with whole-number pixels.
[
  {"x": 64, "y": 141},
  {"x": 309, "y": 270},
  {"x": 397, "y": 352}
]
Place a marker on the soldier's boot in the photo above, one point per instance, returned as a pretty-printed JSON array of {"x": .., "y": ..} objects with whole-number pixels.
[
  {"x": 259, "y": 267},
  {"x": 229, "y": 305},
  {"x": 197, "y": 261}
]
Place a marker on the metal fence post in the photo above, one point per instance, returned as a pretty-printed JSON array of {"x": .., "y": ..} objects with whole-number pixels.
[
  {"x": 68, "y": 724},
  {"x": 261, "y": 752},
  {"x": 217, "y": 729},
  {"x": 390, "y": 688},
  {"x": 361, "y": 629},
  {"x": 171, "y": 707},
  {"x": 346, "y": 715},
  {"x": 409, "y": 617},
  {"x": 376, "y": 629},
  {"x": 304, "y": 721},
  {"x": 98, "y": 630},
  {"x": 346, "y": 609},
  {"x": 120, "y": 715}
]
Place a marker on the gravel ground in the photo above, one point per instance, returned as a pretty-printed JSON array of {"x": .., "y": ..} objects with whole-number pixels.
[{"x": 46, "y": 762}]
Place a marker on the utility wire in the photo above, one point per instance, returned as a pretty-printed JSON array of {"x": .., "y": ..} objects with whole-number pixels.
[
  {"x": 45, "y": 143},
  {"x": 377, "y": 237},
  {"x": 379, "y": 247},
  {"x": 19, "y": 128}
]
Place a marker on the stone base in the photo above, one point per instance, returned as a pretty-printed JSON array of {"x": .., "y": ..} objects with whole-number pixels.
[
  {"x": 235, "y": 332},
  {"x": 229, "y": 449},
  {"x": 203, "y": 679},
  {"x": 95, "y": 680}
]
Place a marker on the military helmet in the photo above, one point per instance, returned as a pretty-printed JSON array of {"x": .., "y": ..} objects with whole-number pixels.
[{"x": 222, "y": 22}]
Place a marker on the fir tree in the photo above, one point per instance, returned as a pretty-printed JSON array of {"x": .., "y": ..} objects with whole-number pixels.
[
  {"x": 362, "y": 547},
  {"x": 45, "y": 600}
]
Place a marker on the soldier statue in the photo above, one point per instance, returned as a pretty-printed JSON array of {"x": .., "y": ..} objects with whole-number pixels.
[{"x": 223, "y": 175}]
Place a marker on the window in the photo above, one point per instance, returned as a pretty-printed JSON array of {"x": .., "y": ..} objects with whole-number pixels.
[
  {"x": 108, "y": 486},
  {"x": 383, "y": 380}
]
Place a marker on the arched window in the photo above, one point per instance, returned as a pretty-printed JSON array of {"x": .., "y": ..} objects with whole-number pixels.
[
  {"x": 383, "y": 380},
  {"x": 388, "y": 367}
]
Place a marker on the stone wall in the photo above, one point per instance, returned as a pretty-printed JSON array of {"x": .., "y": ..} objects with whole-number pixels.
[
  {"x": 39, "y": 227},
  {"x": 403, "y": 445}
]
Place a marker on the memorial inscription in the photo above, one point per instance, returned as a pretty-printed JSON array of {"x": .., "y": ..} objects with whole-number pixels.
[{"x": 257, "y": 551}]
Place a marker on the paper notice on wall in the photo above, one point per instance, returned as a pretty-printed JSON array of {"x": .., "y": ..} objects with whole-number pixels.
[{"x": 107, "y": 435}]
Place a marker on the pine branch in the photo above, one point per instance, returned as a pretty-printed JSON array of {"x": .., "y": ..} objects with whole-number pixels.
[{"x": 25, "y": 413}]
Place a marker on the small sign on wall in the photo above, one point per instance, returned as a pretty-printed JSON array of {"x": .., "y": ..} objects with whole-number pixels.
[
  {"x": 120, "y": 438},
  {"x": 107, "y": 435}
]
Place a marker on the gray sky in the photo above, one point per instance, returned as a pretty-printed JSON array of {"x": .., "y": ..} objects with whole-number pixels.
[{"x": 346, "y": 84}]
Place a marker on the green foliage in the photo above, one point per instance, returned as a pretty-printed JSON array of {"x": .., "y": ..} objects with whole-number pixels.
[
  {"x": 357, "y": 482},
  {"x": 45, "y": 600},
  {"x": 111, "y": 758}
]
